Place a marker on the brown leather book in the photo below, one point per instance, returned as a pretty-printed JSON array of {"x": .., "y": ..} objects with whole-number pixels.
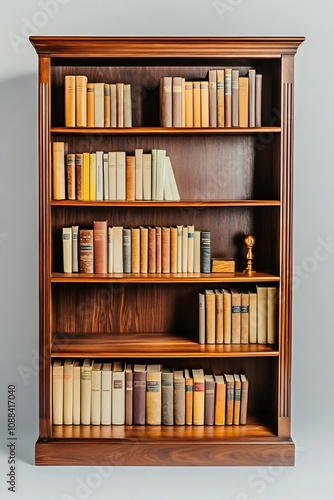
[
  {"x": 81, "y": 100},
  {"x": 220, "y": 98},
  {"x": 228, "y": 97},
  {"x": 143, "y": 249},
  {"x": 244, "y": 399},
  {"x": 167, "y": 388},
  {"x": 158, "y": 256},
  {"x": 210, "y": 317},
  {"x": 79, "y": 176},
  {"x": 128, "y": 394},
  {"x": 173, "y": 249},
  {"x": 166, "y": 107},
  {"x": 212, "y": 98},
  {"x": 153, "y": 394},
  {"x": 244, "y": 337},
  {"x": 130, "y": 178},
  {"x": 179, "y": 398},
  {"x": 237, "y": 399},
  {"x": 135, "y": 250},
  {"x": 229, "y": 398},
  {"x": 189, "y": 389},
  {"x": 100, "y": 233},
  {"x": 165, "y": 250},
  {"x": 152, "y": 250},
  {"x": 220, "y": 403},
  {"x": 236, "y": 316},
  {"x": 177, "y": 101},
  {"x": 139, "y": 394},
  {"x": 235, "y": 97},
  {"x": 86, "y": 253},
  {"x": 70, "y": 108},
  {"x": 70, "y": 176},
  {"x": 209, "y": 415},
  {"x": 243, "y": 101}
]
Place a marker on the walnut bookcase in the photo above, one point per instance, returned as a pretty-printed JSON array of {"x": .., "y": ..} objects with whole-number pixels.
[{"x": 233, "y": 182}]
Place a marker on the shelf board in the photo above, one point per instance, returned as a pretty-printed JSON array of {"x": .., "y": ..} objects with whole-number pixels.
[
  {"x": 164, "y": 130},
  {"x": 150, "y": 345},
  {"x": 237, "y": 277},
  {"x": 181, "y": 203},
  {"x": 251, "y": 444}
]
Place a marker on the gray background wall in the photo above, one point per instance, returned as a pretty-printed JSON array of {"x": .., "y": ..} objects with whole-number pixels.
[{"x": 312, "y": 376}]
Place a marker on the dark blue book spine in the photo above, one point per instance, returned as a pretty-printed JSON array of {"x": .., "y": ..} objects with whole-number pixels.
[{"x": 205, "y": 252}]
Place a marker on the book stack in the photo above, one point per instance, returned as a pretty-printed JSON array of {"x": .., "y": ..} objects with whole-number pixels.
[
  {"x": 228, "y": 98},
  {"x": 113, "y": 175},
  {"x": 143, "y": 249},
  {"x": 90, "y": 392},
  {"x": 96, "y": 104},
  {"x": 238, "y": 316}
]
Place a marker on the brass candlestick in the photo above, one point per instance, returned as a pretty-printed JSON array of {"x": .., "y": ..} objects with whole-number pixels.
[{"x": 249, "y": 242}]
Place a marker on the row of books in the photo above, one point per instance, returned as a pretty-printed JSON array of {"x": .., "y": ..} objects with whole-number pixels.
[
  {"x": 238, "y": 316},
  {"x": 226, "y": 99},
  {"x": 117, "y": 393},
  {"x": 103, "y": 249},
  {"x": 96, "y": 104},
  {"x": 113, "y": 175}
]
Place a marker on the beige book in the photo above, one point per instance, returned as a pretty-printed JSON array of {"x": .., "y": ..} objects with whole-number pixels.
[
  {"x": 106, "y": 105},
  {"x": 199, "y": 396},
  {"x": 143, "y": 249},
  {"x": 135, "y": 250},
  {"x": 243, "y": 101},
  {"x": 120, "y": 175},
  {"x": 201, "y": 318},
  {"x": 158, "y": 256},
  {"x": 237, "y": 399},
  {"x": 86, "y": 391},
  {"x": 118, "y": 394},
  {"x": 235, "y": 316},
  {"x": 244, "y": 337},
  {"x": 81, "y": 100},
  {"x": 75, "y": 249},
  {"x": 139, "y": 173},
  {"x": 173, "y": 249},
  {"x": 165, "y": 250},
  {"x": 147, "y": 176},
  {"x": 227, "y": 308},
  {"x": 70, "y": 176},
  {"x": 113, "y": 105},
  {"x": 99, "y": 105},
  {"x": 220, "y": 98},
  {"x": 219, "y": 317},
  {"x": 166, "y": 102},
  {"x": 96, "y": 394},
  {"x": 261, "y": 314},
  {"x": 235, "y": 98},
  {"x": 58, "y": 171},
  {"x": 153, "y": 395},
  {"x": 210, "y": 317},
  {"x": 92, "y": 176},
  {"x": 190, "y": 244},
  {"x": 106, "y": 384},
  {"x": 161, "y": 160},
  {"x": 244, "y": 399},
  {"x": 189, "y": 389},
  {"x": 90, "y": 104},
  {"x": 204, "y": 87},
  {"x": 185, "y": 249},
  {"x": 99, "y": 175},
  {"x": 130, "y": 178},
  {"x": 70, "y": 108},
  {"x": 112, "y": 175},
  {"x": 105, "y": 176},
  {"x": 171, "y": 191},
  {"x": 76, "y": 392},
  {"x": 228, "y": 97},
  {"x": 189, "y": 105},
  {"x": 271, "y": 314},
  {"x": 252, "y": 317},
  {"x": 57, "y": 392},
  {"x": 179, "y": 398},
  {"x": 197, "y": 104},
  {"x": 67, "y": 249},
  {"x": 152, "y": 250},
  {"x": 68, "y": 391},
  {"x": 110, "y": 250},
  {"x": 118, "y": 249},
  {"x": 127, "y": 105},
  {"x": 179, "y": 248},
  {"x": 212, "y": 98},
  {"x": 220, "y": 405},
  {"x": 120, "y": 104},
  {"x": 177, "y": 101}
]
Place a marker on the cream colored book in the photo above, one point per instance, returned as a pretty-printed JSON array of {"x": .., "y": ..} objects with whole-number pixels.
[
  {"x": 81, "y": 100},
  {"x": 261, "y": 314},
  {"x": 70, "y": 104},
  {"x": 271, "y": 314},
  {"x": 120, "y": 104},
  {"x": 179, "y": 248},
  {"x": 153, "y": 395},
  {"x": 75, "y": 250},
  {"x": 57, "y": 392},
  {"x": 139, "y": 173},
  {"x": 113, "y": 105},
  {"x": 106, "y": 105},
  {"x": 110, "y": 250},
  {"x": 76, "y": 392},
  {"x": 201, "y": 318},
  {"x": 147, "y": 176},
  {"x": 68, "y": 391},
  {"x": 197, "y": 104},
  {"x": 210, "y": 317},
  {"x": 99, "y": 175},
  {"x": 189, "y": 106},
  {"x": 120, "y": 175},
  {"x": 190, "y": 258},
  {"x": 185, "y": 249},
  {"x": 161, "y": 154},
  {"x": 86, "y": 391},
  {"x": 99, "y": 105},
  {"x": 219, "y": 317},
  {"x": 227, "y": 308},
  {"x": 96, "y": 394},
  {"x": 204, "y": 104},
  {"x": 118, "y": 249},
  {"x": 252, "y": 317},
  {"x": 67, "y": 249},
  {"x": 118, "y": 394},
  {"x": 106, "y": 384},
  {"x": 58, "y": 171},
  {"x": 127, "y": 105},
  {"x": 112, "y": 179}
]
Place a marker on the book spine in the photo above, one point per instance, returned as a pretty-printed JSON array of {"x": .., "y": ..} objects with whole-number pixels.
[
  {"x": 235, "y": 97},
  {"x": 228, "y": 97},
  {"x": 127, "y": 105},
  {"x": 189, "y": 390},
  {"x": 190, "y": 244},
  {"x": 251, "y": 97},
  {"x": 227, "y": 308},
  {"x": 92, "y": 176},
  {"x": 57, "y": 394},
  {"x": 165, "y": 250},
  {"x": 99, "y": 175},
  {"x": 212, "y": 98},
  {"x": 118, "y": 399},
  {"x": 70, "y": 108},
  {"x": 135, "y": 250},
  {"x": 219, "y": 318},
  {"x": 96, "y": 397},
  {"x": 210, "y": 317},
  {"x": 70, "y": 176},
  {"x": 139, "y": 398},
  {"x": 209, "y": 405},
  {"x": 90, "y": 104},
  {"x": 179, "y": 401},
  {"x": 128, "y": 397},
  {"x": 130, "y": 178},
  {"x": 100, "y": 234},
  {"x": 106, "y": 105},
  {"x": 81, "y": 100},
  {"x": 118, "y": 249},
  {"x": 189, "y": 107},
  {"x": 237, "y": 399},
  {"x": 143, "y": 249},
  {"x": 244, "y": 400},
  {"x": 158, "y": 257},
  {"x": 153, "y": 399},
  {"x": 205, "y": 252},
  {"x": 120, "y": 105},
  {"x": 127, "y": 250},
  {"x": 166, "y": 107},
  {"x": 204, "y": 88},
  {"x": 67, "y": 249},
  {"x": 236, "y": 316},
  {"x": 152, "y": 250},
  {"x": 197, "y": 104},
  {"x": 258, "y": 100},
  {"x": 229, "y": 402},
  {"x": 58, "y": 171},
  {"x": 75, "y": 249},
  {"x": 173, "y": 249},
  {"x": 99, "y": 105},
  {"x": 201, "y": 321},
  {"x": 139, "y": 173},
  {"x": 167, "y": 398},
  {"x": 112, "y": 175},
  {"x": 198, "y": 416},
  {"x": 113, "y": 105},
  {"x": 220, "y": 98},
  {"x": 244, "y": 318},
  {"x": 105, "y": 176},
  {"x": 177, "y": 101},
  {"x": 86, "y": 251},
  {"x": 79, "y": 176},
  {"x": 120, "y": 175},
  {"x": 243, "y": 102}
]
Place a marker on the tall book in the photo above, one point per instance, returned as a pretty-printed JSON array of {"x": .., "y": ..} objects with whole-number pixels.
[
  {"x": 251, "y": 97},
  {"x": 110, "y": 250},
  {"x": 128, "y": 394},
  {"x": 99, "y": 175},
  {"x": 120, "y": 104},
  {"x": 167, "y": 389},
  {"x": 154, "y": 153},
  {"x": 153, "y": 394},
  {"x": 190, "y": 259},
  {"x": 106, "y": 105},
  {"x": 220, "y": 98},
  {"x": 219, "y": 312},
  {"x": 68, "y": 391},
  {"x": 105, "y": 176},
  {"x": 135, "y": 250},
  {"x": 152, "y": 250},
  {"x": 96, "y": 394},
  {"x": 244, "y": 336},
  {"x": 244, "y": 399},
  {"x": 258, "y": 100},
  {"x": 120, "y": 175},
  {"x": 197, "y": 104},
  {"x": 100, "y": 235},
  {"x": 252, "y": 317},
  {"x": 205, "y": 252},
  {"x": 220, "y": 402},
  {"x": 173, "y": 249},
  {"x": 130, "y": 175},
  {"x": 86, "y": 391},
  {"x": 209, "y": 405},
  {"x": 179, "y": 398},
  {"x": 118, "y": 249},
  {"x": 197, "y": 251},
  {"x": 243, "y": 101},
  {"x": 261, "y": 314},
  {"x": 166, "y": 105},
  {"x": 210, "y": 317},
  {"x": 189, "y": 389},
  {"x": 143, "y": 249},
  {"x": 229, "y": 398},
  {"x": 57, "y": 392},
  {"x": 199, "y": 396},
  {"x": 179, "y": 248},
  {"x": 185, "y": 249},
  {"x": 86, "y": 160},
  {"x": 92, "y": 177},
  {"x": 235, "y": 316},
  {"x": 70, "y": 104},
  {"x": 139, "y": 394},
  {"x": 126, "y": 250},
  {"x": 201, "y": 318},
  {"x": 235, "y": 97},
  {"x": 177, "y": 101},
  {"x": 170, "y": 181},
  {"x": 86, "y": 251},
  {"x": 58, "y": 170},
  {"x": 237, "y": 399},
  {"x": 67, "y": 249},
  {"x": 81, "y": 100},
  {"x": 79, "y": 176},
  {"x": 76, "y": 392},
  {"x": 99, "y": 104},
  {"x": 161, "y": 154},
  {"x": 189, "y": 105},
  {"x": 112, "y": 175},
  {"x": 139, "y": 173},
  {"x": 204, "y": 87},
  {"x": 165, "y": 250},
  {"x": 90, "y": 104},
  {"x": 227, "y": 316},
  {"x": 212, "y": 98},
  {"x": 75, "y": 249},
  {"x": 228, "y": 97},
  {"x": 127, "y": 111},
  {"x": 106, "y": 384},
  {"x": 70, "y": 176},
  {"x": 147, "y": 176},
  {"x": 113, "y": 105},
  {"x": 118, "y": 394},
  {"x": 271, "y": 314}
]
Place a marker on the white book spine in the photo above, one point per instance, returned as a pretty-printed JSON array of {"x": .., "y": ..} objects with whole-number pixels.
[
  {"x": 120, "y": 175},
  {"x": 99, "y": 175},
  {"x": 112, "y": 175}
]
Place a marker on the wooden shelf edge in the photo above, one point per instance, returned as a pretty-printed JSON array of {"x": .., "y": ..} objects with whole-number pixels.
[
  {"x": 112, "y": 453},
  {"x": 153, "y": 203},
  {"x": 164, "y": 131}
]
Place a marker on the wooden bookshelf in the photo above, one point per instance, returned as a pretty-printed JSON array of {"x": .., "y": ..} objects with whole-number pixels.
[{"x": 232, "y": 182}]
